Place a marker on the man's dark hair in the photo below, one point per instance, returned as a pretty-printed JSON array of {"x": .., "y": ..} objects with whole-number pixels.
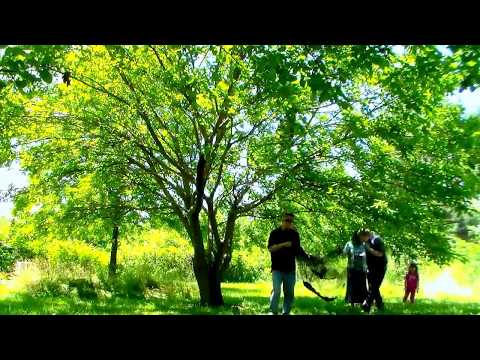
[{"x": 288, "y": 214}]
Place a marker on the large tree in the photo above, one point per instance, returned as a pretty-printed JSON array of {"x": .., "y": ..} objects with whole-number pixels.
[{"x": 215, "y": 133}]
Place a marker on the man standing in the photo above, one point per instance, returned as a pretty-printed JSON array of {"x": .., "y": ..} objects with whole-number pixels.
[
  {"x": 377, "y": 267},
  {"x": 284, "y": 246}
]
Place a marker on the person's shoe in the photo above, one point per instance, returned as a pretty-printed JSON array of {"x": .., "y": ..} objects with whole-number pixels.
[{"x": 365, "y": 306}]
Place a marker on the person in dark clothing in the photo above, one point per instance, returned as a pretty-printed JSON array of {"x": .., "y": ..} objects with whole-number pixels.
[
  {"x": 377, "y": 267},
  {"x": 284, "y": 247}
]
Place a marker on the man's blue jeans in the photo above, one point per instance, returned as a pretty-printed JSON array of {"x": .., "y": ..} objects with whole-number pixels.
[{"x": 288, "y": 281}]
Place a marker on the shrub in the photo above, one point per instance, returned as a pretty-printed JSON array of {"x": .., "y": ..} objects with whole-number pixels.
[
  {"x": 76, "y": 252},
  {"x": 8, "y": 256},
  {"x": 49, "y": 287},
  {"x": 163, "y": 254},
  {"x": 27, "y": 276},
  {"x": 61, "y": 280},
  {"x": 137, "y": 274},
  {"x": 248, "y": 265},
  {"x": 159, "y": 263}
]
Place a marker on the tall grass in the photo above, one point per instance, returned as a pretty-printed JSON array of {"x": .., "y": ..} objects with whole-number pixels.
[{"x": 158, "y": 262}]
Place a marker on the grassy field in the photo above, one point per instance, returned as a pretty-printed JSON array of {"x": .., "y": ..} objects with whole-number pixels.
[{"x": 240, "y": 298}]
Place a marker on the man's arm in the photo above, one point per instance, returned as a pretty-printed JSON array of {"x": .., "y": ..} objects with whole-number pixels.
[
  {"x": 374, "y": 252},
  {"x": 275, "y": 247},
  {"x": 299, "y": 252},
  {"x": 378, "y": 253}
]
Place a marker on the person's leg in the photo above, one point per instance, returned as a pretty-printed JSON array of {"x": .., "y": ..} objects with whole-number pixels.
[
  {"x": 276, "y": 291},
  {"x": 348, "y": 288},
  {"x": 363, "y": 287},
  {"x": 365, "y": 305},
  {"x": 288, "y": 291},
  {"x": 412, "y": 296},
  {"x": 378, "y": 282},
  {"x": 406, "y": 295},
  {"x": 409, "y": 295},
  {"x": 369, "y": 300},
  {"x": 358, "y": 286},
  {"x": 353, "y": 287},
  {"x": 372, "y": 295}
]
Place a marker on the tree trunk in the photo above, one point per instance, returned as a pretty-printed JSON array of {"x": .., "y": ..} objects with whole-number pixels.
[
  {"x": 215, "y": 286},
  {"x": 228, "y": 242},
  {"x": 112, "y": 267},
  {"x": 209, "y": 284},
  {"x": 207, "y": 273}
]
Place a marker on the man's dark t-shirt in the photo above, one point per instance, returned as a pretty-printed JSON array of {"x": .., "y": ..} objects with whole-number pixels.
[
  {"x": 376, "y": 262},
  {"x": 284, "y": 258}
]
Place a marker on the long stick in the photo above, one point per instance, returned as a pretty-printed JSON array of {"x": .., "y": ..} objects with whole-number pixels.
[{"x": 312, "y": 289}]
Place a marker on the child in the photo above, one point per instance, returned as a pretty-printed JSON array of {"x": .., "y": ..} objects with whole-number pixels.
[{"x": 412, "y": 282}]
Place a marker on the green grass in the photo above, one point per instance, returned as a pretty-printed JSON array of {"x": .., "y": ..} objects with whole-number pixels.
[{"x": 240, "y": 298}]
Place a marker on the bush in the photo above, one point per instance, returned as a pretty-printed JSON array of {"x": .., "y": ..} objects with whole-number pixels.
[
  {"x": 49, "y": 287},
  {"x": 159, "y": 256},
  {"x": 8, "y": 257},
  {"x": 137, "y": 274},
  {"x": 248, "y": 265},
  {"x": 157, "y": 264},
  {"x": 61, "y": 280},
  {"x": 76, "y": 253}
]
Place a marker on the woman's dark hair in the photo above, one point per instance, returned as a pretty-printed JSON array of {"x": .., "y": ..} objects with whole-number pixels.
[
  {"x": 364, "y": 231},
  {"x": 356, "y": 238},
  {"x": 414, "y": 265}
]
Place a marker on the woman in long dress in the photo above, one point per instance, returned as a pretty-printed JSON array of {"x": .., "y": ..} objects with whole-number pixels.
[{"x": 356, "y": 270}]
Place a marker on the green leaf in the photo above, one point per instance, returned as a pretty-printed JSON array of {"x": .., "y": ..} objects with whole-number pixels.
[
  {"x": 204, "y": 102},
  {"x": 222, "y": 85},
  {"x": 46, "y": 76},
  {"x": 14, "y": 51},
  {"x": 20, "y": 83},
  {"x": 316, "y": 82}
]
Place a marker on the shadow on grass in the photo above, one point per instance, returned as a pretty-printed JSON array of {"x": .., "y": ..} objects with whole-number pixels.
[{"x": 240, "y": 299}]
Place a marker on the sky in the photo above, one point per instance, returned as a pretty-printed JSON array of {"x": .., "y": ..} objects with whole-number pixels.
[{"x": 13, "y": 175}]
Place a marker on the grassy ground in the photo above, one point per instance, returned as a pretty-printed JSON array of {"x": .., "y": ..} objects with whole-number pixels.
[
  {"x": 449, "y": 290},
  {"x": 248, "y": 299}
]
